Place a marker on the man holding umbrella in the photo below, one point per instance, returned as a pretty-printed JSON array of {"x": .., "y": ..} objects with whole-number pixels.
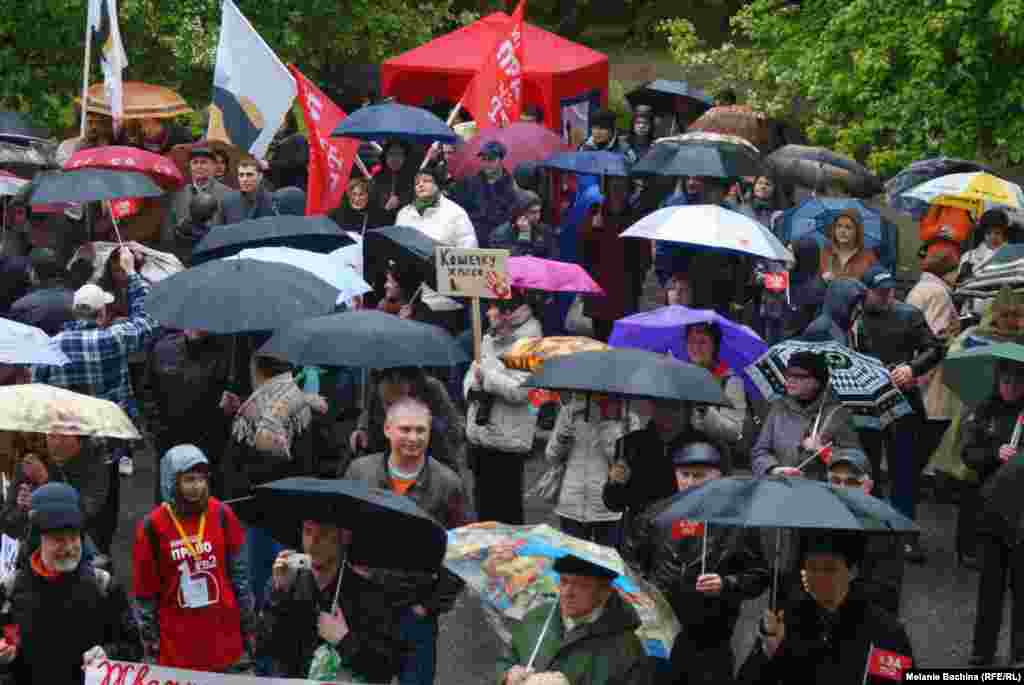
[
  {"x": 590, "y": 639},
  {"x": 705, "y": 574},
  {"x": 899, "y": 336}
]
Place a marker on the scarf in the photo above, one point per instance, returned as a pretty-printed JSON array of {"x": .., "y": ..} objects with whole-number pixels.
[
  {"x": 39, "y": 568},
  {"x": 274, "y": 415},
  {"x": 422, "y": 205}
]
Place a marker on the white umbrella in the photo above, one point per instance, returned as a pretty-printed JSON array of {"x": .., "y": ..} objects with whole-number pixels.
[
  {"x": 28, "y": 345},
  {"x": 711, "y": 227},
  {"x": 327, "y": 268}
]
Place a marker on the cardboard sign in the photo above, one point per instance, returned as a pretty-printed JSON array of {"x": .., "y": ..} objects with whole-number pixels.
[
  {"x": 888, "y": 665},
  {"x": 684, "y": 528},
  {"x": 472, "y": 272}
]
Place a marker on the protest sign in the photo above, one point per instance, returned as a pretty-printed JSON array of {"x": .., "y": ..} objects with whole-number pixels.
[
  {"x": 126, "y": 673},
  {"x": 472, "y": 272}
]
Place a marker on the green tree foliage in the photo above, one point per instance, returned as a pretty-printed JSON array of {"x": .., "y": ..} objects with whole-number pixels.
[
  {"x": 889, "y": 81},
  {"x": 173, "y": 42}
]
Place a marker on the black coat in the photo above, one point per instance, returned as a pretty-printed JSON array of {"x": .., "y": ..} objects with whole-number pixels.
[
  {"x": 985, "y": 431},
  {"x": 652, "y": 475},
  {"x": 811, "y": 652},
  {"x": 673, "y": 566},
  {"x": 242, "y": 207},
  {"x": 288, "y": 632},
  {"x": 45, "y": 612}
]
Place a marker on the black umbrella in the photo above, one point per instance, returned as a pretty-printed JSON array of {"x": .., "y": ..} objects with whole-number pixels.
[
  {"x": 412, "y": 252},
  {"x": 629, "y": 373},
  {"x": 664, "y": 96},
  {"x": 1002, "y": 497},
  {"x": 48, "y": 309},
  {"x": 239, "y": 295},
  {"x": 816, "y": 167},
  {"x": 17, "y": 127},
  {"x": 367, "y": 339},
  {"x": 313, "y": 233},
  {"x": 699, "y": 157},
  {"x": 388, "y": 531},
  {"x": 88, "y": 185}
]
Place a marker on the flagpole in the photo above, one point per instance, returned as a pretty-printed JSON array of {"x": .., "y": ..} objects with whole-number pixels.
[
  {"x": 451, "y": 119},
  {"x": 85, "y": 69},
  {"x": 867, "y": 666}
]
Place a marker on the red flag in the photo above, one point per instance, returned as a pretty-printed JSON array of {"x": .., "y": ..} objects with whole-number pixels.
[
  {"x": 125, "y": 207},
  {"x": 495, "y": 95},
  {"x": 330, "y": 159},
  {"x": 776, "y": 281},
  {"x": 826, "y": 454},
  {"x": 888, "y": 665},
  {"x": 684, "y": 528}
]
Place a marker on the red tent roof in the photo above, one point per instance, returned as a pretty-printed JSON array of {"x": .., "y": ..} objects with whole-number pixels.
[{"x": 553, "y": 66}]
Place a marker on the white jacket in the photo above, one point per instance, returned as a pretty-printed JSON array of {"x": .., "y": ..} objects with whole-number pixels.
[
  {"x": 447, "y": 223},
  {"x": 587, "y": 448},
  {"x": 512, "y": 423}
]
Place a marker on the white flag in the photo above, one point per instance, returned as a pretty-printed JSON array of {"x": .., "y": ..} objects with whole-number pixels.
[
  {"x": 104, "y": 30},
  {"x": 252, "y": 89}
]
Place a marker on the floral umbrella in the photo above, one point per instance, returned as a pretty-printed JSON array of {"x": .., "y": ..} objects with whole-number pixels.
[
  {"x": 40, "y": 408},
  {"x": 511, "y": 588}
]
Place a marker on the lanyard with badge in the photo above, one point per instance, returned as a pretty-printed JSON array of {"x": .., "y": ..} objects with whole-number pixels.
[{"x": 195, "y": 590}]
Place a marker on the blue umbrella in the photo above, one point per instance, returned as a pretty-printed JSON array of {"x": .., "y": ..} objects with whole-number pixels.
[
  {"x": 662, "y": 330},
  {"x": 380, "y": 122},
  {"x": 596, "y": 163},
  {"x": 817, "y": 214}
]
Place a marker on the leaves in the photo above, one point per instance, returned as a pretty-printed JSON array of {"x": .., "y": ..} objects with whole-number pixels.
[
  {"x": 888, "y": 81},
  {"x": 173, "y": 43}
]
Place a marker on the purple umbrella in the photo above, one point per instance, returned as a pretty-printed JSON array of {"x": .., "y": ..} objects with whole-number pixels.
[{"x": 661, "y": 330}]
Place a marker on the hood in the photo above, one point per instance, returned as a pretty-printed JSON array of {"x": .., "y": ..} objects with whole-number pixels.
[
  {"x": 842, "y": 296},
  {"x": 177, "y": 460}
]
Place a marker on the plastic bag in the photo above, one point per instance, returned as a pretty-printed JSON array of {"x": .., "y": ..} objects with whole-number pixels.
[{"x": 328, "y": 666}]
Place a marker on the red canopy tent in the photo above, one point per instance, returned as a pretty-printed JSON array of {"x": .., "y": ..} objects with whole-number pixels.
[{"x": 555, "y": 69}]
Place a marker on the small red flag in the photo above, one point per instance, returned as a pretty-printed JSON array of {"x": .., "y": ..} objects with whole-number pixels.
[
  {"x": 684, "y": 528},
  {"x": 826, "y": 455},
  {"x": 888, "y": 665},
  {"x": 125, "y": 207},
  {"x": 776, "y": 281}
]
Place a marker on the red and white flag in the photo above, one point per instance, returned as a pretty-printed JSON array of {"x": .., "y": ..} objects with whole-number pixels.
[
  {"x": 886, "y": 664},
  {"x": 494, "y": 97},
  {"x": 684, "y": 528},
  {"x": 330, "y": 159}
]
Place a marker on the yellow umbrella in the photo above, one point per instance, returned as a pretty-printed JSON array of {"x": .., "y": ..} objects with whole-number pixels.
[
  {"x": 39, "y": 408},
  {"x": 971, "y": 191}
]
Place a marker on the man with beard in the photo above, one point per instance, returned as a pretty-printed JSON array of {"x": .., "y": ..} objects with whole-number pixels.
[
  {"x": 63, "y": 610},
  {"x": 191, "y": 583},
  {"x": 489, "y": 197}
]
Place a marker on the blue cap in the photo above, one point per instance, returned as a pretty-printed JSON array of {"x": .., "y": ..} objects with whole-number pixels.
[
  {"x": 493, "y": 149},
  {"x": 55, "y": 506},
  {"x": 878, "y": 276},
  {"x": 697, "y": 453}
]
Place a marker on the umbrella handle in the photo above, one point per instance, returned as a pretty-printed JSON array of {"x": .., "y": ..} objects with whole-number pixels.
[
  {"x": 775, "y": 572},
  {"x": 337, "y": 588},
  {"x": 543, "y": 633}
]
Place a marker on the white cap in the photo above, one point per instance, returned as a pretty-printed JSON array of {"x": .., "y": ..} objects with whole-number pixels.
[{"x": 92, "y": 296}]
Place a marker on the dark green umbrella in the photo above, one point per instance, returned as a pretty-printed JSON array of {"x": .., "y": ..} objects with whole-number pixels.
[
  {"x": 629, "y": 373},
  {"x": 971, "y": 374}
]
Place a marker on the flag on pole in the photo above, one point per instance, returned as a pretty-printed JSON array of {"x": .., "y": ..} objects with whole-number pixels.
[
  {"x": 105, "y": 33},
  {"x": 495, "y": 95},
  {"x": 885, "y": 664},
  {"x": 252, "y": 89},
  {"x": 330, "y": 159}
]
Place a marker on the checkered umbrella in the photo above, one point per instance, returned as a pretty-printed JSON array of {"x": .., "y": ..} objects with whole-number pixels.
[{"x": 860, "y": 382}]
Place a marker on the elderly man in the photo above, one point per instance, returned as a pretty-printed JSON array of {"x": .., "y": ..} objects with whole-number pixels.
[
  {"x": 406, "y": 469},
  {"x": 201, "y": 168},
  {"x": 489, "y": 197},
  {"x": 590, "y": 638},
  {"x": 434, "y": 215},
  {"x": 63, "y": 609},
  {"x": 301, "y": 614},
  {"x": 706, "y": 594},
  {"x": 251, "y": 200}
]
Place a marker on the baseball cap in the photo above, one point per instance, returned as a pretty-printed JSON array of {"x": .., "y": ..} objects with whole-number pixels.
[
  {"x": 492, "y": 149},
  {"x": 697, "y": 453},
  {"x": 852, "y": 457},
  {"x": 878, "y": 276},
  {"x": 92, "y": 296}
]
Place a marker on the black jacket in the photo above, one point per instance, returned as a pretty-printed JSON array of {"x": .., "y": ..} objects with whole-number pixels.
[
  {"x": 288, "y": 634},
  {"x": 242, "y": 207},
  {"x": 835, "y": 654},
  {"x": 488, "y": 204},
  {"x": 900, "y": 335},
  {"x": 60, "y": 620},
  {"x": 652, "y": 476},
  {"x": 985, "y": 431},
  {"x": 673, "y": 565}
]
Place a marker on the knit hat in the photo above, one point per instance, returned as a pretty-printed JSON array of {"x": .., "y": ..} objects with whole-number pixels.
[
  {"x": 603, "y": 118},
  {"x": 55, "y": 506},
  {"x": 846, "y": 544},
  {"x": 811, "y": 362},
  {"x": 852, "y": 457}
]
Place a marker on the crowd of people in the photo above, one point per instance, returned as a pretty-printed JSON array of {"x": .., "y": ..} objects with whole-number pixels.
[{"x": 209, "y": 592}]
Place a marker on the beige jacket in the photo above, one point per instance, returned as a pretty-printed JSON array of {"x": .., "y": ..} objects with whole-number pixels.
[{"x": 933, "y": 297}]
